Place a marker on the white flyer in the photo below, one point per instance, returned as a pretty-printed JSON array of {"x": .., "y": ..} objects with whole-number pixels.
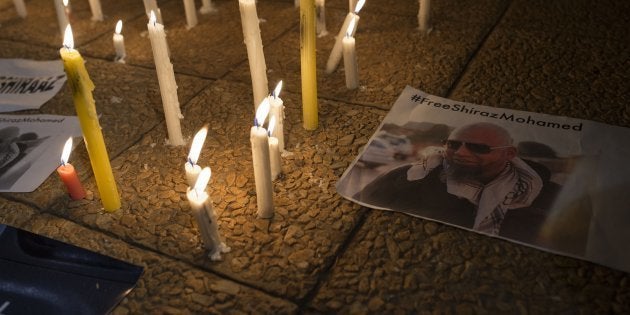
[
  {"x": 30, "y": 148},
  {"x": 28, "y": 84}
]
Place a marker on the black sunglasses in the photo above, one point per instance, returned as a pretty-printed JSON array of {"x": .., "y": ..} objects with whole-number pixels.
[{"x": 476, "y": 148}]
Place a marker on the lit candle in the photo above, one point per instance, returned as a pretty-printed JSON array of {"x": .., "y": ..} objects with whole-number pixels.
[
  {"x": 119, "y": 43},
  {"x": 424, "y": 15},
  {"x": 207, "y": 7},
  {"x": 20, "y": 8},
  {"x": 166, "y": 79},
  {"x": 277, "y": 111},
  {"x": 262, "y": 166},
  {"x": 191, "y": 14},
  {"x": 68, "y": 174},
  {"x": 203, "y": 212},
  {"x": 274, "y": 151},
  {"x": 97, "y": 12},
  {"x": 191, "y": 167},
  {"x": 82, "y": 87},
  {"x": 62, "y": 17},
  {"x": 255, "y": 55},
  {"x": 320, "y": 11},
  {"x": 336, "y": 52},
  {"x": 350, "y": 59},
  {"x": 308, "y": 64}
]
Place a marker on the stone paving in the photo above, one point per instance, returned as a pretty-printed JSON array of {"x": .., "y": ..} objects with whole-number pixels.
[{"x": 320, "y": 253}]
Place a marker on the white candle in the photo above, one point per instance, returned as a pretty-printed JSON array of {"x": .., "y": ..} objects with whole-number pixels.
[
  {"x": 62, "y": 17},
  {"x": 166, "y": 79},
  {"x": 191, "y": 167},
  {"x": 119, "y": 43},
  {"x": 277, "y": 111},
  {"x": 350, "y": 59},
  {"x": 320, "y": 16},
  {"x": 262, "y": 165},
  {"x": 336, "y": 52},
  {"x": 97, "y": 12},
  {"x": 255, "y": 55},
  {"x": 207, "y": 7},
  {"x": 274, "y": 151},
  {"x": 424, "y": 15},
  {"x": 203, "y": 212},
  {"x": 20, "y": 8},
  {"x": 191, "y": 13}
]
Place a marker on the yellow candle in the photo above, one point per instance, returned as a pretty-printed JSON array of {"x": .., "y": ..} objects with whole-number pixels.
[
  {"x": 82, "y": 87},
  {"x": 308, "y": 58}
]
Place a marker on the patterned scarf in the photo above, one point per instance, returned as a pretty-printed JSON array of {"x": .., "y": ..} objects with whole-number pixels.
[{"x": 517, "y": 186}]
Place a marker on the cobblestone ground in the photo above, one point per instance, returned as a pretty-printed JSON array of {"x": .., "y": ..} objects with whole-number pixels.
[{"x": 319, "y": 253}]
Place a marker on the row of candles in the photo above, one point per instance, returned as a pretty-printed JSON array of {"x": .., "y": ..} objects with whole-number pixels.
[{"x": 267, "y": 143}]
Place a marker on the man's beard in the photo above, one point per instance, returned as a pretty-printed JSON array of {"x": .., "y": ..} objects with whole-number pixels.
[{"x": 463, "y": 172}]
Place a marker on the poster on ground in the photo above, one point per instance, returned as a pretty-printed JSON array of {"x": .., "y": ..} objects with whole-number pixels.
[
  {"x": 555, "y": 183},
  {"x": 31, "y": 147},
  {"x": 28, "y": 84}
]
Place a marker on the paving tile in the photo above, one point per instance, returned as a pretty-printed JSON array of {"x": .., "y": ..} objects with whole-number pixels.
[
  {"x": 127, "y": 98},
  {"x": 167, "y": 286},
  {"x": 400, "y": 264},
  {"x": 391, "y": 55},
  {"x": 210, "y": 49},
  {"x": 41, "y": 26},
  {"x": 604, "y": 19},
  {"x": 544, "y": 72},
  {"x": 283, "y": 255}
]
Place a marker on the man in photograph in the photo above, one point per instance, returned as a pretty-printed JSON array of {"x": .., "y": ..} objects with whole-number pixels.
[{"x": 476, "y": 180}]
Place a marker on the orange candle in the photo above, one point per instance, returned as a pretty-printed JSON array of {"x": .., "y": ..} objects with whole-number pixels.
[{"x": 68, "y": 174}]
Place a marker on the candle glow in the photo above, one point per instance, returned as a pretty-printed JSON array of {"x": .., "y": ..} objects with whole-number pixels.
[
  {"x": 276, "y": 91},
  {"x": 350, "y": 27},
  {"x": 359, "y": 6},
  {"x": 272, "y": 124},
  {"x": 118, "y": 27},
  {"x": 197, "y": 143},
  {"x": 65, "y": 154},
  {"x": 202, "y": 180},
  {"x": 262, "y": 112},
  {"x": 68, "y": 39}
]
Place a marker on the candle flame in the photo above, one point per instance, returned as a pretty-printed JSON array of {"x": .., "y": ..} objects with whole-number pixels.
[
  {"x": 262, "y": 112},
  {"x": 197, "y": 143},
  {"x": 68, "y": 40},
  {"x": 65, "y": 3},
  {"x": 351, "y": 27},
  {"x": 152, "y": 18},
  {"x": 202, "y": 180},
  {"x": 272, "y": 124},
  {"x": 65, "y": 154},
  {"x": 276, "y": 91},
  {"x": 359, "y": 6},
  {"x": 118, "y": 26}
]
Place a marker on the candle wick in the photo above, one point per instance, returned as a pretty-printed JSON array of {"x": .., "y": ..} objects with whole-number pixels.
[
  {"x": 63, "y": 163},
  {"x": 191, "y": 161},
  {"x": 256, "y": 122}
]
